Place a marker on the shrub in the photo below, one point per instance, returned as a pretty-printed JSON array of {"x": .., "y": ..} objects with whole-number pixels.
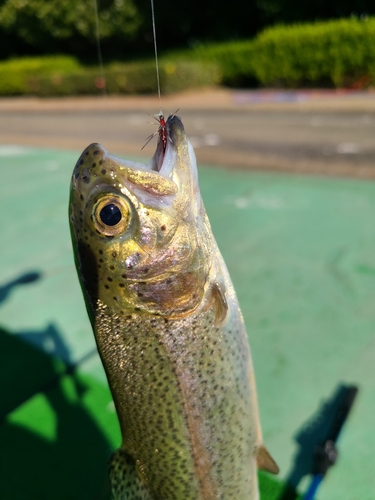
[
  {"x": 15, "y": 74},
  {"x": 63, "y": 76},
  {"x": 324, "y": 53},
  {"x": 235, "y": 60},
  {"x": 131, "y": 78},
  {"x": 337, "y": 52},
  {"x": 175, "y": 75}
]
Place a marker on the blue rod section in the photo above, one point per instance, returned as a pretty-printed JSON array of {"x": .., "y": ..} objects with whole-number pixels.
[{"x": 314, "y": 485}]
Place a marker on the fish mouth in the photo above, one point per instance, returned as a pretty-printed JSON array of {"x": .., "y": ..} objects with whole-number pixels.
[
  {"x": 163, "y": 166},
  {"x": 168, "y": 173},
  {"x": 170, "y": 134}
]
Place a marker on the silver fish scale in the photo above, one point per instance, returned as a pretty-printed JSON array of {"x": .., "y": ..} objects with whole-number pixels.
[{"x": 183, "y": 390}]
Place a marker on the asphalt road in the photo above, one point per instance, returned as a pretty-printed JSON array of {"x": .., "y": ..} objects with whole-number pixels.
[{"x": 325, "y": 134}]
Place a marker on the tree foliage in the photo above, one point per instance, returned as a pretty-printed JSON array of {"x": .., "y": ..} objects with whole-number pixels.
[
  {"x": 192, "y": 21},
  {"x": 69, "y": 26},
  {"x": 58, "y": 25},
  {"x": 290, "y": 11}
]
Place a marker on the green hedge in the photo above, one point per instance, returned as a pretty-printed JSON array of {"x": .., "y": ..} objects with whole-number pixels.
[
  {"x": 324, "y": 53},
  {"x": 16, "y": 75},
  {"x": 234, "y": 59},
  {"x": 338, "y": 52},
  {"x": 63, "y": 76},
  {"x": 334, "y": 53},
  {"x": 174, "y": 75}
]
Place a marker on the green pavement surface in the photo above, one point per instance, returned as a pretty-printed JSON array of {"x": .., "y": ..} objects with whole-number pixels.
[{"x": 301, "y": 253}]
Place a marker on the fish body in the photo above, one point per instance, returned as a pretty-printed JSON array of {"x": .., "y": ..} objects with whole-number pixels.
[{"x": 168, "y": 328}]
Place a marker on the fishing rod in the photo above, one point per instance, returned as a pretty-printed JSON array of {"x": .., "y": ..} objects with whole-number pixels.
[{"x": 326, "y": 453}]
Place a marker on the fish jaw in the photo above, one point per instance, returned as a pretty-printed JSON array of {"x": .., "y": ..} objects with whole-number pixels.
[{"x": 155, "y": 258}]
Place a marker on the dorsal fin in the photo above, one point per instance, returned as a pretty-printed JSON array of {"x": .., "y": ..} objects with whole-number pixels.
[{"x": 265, "y": 461}]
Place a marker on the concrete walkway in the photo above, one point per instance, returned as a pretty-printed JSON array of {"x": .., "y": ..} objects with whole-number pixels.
[{"x": 316, "y": 132}]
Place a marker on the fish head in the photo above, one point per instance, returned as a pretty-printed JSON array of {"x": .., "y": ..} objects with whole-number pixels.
[{"x": 140, "y": 233}]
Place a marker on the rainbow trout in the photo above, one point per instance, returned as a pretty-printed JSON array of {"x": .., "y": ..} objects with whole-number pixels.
[{"x": 168, "y": 327}]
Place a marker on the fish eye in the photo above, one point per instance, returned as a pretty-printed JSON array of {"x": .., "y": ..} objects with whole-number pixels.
[{"x": 111, "y": 215}]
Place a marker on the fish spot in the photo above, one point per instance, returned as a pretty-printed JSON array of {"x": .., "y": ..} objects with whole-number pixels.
[
  {"x": 124, "y": 276},
  {"x": 93, "y": 165},
  {"x": 103, "y": 171},
  {"x": 96, "y": 152},
  {"x": 81, "y": 162},
  {"x": 163, "y": 228},
  {"x": 101, "y": 260},
  {"x": 81, "y": 197},
  {"x": 140, "y": 294},
  {"x": 106, "y": 286},
  {"x": 101, "y": 162},
  {"x": 109, "y": 279},
  {"x": 101, "y": 252},
  {"x": 86, "y": 176},
  {"x": 121, "y": 285},
  {"x": 87, "y": 153}
]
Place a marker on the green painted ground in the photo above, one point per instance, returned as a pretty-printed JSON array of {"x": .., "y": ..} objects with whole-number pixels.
[{"x": 301, "y": 252}]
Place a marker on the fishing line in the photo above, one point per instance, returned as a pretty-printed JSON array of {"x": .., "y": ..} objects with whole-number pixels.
[
  {"x": 156, "y": 53},
  {"x": 99, "y": 48}
]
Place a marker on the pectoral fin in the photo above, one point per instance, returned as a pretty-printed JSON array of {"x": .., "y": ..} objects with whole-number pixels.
[
  {"x": 265, "y": 461},
  {"x": 219, "y": 301}
]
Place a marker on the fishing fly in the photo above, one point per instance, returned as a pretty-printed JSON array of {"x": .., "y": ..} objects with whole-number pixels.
[{"x": 161, "y": 131}]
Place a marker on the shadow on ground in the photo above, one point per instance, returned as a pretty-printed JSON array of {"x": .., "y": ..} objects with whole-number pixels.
[
  {"x": 51, "y": 445},
  {"x": 313, "y": 433}
]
